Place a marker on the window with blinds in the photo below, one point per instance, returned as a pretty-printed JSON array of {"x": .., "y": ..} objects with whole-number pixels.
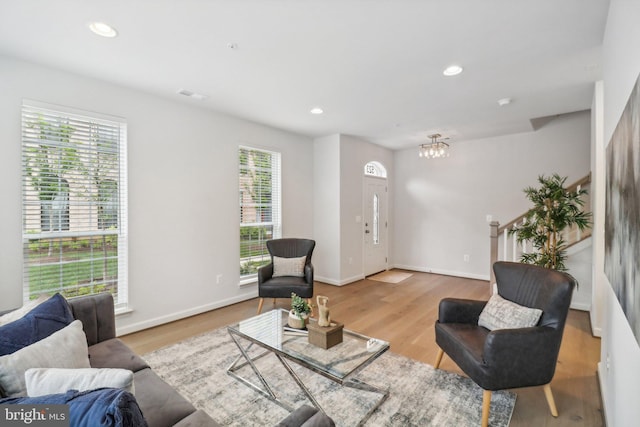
[
  {"x": 259, "y": 179},
  {"x": 74, "y": 202}
]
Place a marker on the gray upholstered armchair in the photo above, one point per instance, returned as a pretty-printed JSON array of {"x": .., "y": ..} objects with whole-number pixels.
[
  {"x": 282, "y": 286},
  {"x": 508, "y": 358}
]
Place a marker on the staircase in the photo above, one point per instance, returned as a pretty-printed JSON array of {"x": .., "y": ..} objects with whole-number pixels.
[{"x": 505, "y": 247}]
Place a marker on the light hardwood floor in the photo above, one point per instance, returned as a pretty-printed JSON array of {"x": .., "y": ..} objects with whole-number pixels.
[{"x": 404, "y": 314}]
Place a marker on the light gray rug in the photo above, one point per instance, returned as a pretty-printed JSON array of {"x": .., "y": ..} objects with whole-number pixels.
[{"x": 419, "y": 394}]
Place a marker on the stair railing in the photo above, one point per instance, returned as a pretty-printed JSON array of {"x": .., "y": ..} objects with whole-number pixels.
[{"x": 505, "y": 246}]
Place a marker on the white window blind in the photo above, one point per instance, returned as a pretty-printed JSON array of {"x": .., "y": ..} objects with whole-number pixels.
[
  {"x": 74, "y": 202},
  {"x": 260, "y": 218}
]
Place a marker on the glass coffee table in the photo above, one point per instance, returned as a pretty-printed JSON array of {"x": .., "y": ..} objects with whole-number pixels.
[{"x": 339, "y": 363}]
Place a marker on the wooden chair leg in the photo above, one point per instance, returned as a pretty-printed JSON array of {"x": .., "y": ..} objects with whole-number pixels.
[
  {"x": 550, "y": 401},
  {"x": 260, "y": 305},
  {"x": 486, "y": 405},
  {"x": 439, "y": 358}
]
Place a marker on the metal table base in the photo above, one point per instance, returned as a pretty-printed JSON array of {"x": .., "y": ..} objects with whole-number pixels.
[{"x": 267, "y": 391}]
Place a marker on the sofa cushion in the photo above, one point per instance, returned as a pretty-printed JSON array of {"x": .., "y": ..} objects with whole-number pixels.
[
  {"x": 197, "y": 419},
  {"x": 107, "y": 407},
  {"x": 288, "y": 266},
  {"x": 45, "y": 319},
  {"x": 306, "y": 416},
  {"x": 114, "y": 353},
  {"x": 161, "y": 405},
  {"x": 66, "y": 348},
  {"x": 500, "y": 313},
  {"x": 43, "y": 381}
]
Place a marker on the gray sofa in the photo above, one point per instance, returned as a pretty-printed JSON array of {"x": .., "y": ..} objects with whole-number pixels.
[{"x": 161, "y": 405}]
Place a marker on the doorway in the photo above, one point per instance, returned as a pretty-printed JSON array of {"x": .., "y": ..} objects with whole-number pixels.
[{"x": 375, "y": 224}]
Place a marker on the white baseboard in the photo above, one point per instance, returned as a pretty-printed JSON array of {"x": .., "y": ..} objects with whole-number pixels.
[
  {"x": 443, "y": 272},
  {"x": 341, "y": 282},
  {"x": 582, "y": 306},
  {"x": 135, "y": 327}
]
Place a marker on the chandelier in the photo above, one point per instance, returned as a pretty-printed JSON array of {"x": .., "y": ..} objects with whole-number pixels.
[{"x": 434, "y": 149}]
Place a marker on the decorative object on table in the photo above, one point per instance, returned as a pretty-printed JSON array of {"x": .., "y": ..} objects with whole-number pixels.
[
  {"x": 324, "y": 319},
  {"x": 299, "y": 313},
  {"x": 555, "y": 209},
  {"x": 325, "y": 336}
]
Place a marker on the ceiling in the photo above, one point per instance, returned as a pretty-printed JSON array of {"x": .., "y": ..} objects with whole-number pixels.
[{"x": 374, "y": 66}]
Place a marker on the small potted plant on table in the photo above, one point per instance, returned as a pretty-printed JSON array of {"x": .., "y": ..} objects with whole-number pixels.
[{"x": 299, "y": 313}]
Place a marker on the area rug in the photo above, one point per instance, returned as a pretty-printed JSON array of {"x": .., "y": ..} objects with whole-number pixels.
[
  {"x": 419, "y": 394},
  {"x": 390, "y": 276}
]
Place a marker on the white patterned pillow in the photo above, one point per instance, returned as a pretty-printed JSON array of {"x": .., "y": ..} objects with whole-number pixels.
[
  {"x": 66, "y": 348},
  {"x": 500, "y": 313},
  {"x": 43, "y": 381},
  {"x": 288, "y": 266}
]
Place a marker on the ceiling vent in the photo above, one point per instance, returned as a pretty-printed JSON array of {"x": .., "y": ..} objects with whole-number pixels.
[{"x": 191, "y": 94}]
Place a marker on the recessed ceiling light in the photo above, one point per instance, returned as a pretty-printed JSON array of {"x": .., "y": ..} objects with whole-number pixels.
[
  {"x": 316, "y": 110},
  {"x": 102, "y": 29},
  {"x": 504, "y": 101},
  {"x": 452, "y": 70}
]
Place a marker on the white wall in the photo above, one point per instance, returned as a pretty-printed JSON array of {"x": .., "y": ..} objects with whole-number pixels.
[
  {"x": 598, "y": 194},
  {"x": 326, "y": 208},
  {"x": 619, "y": 370},
  {"x": 354, "y": 155},
  {"x": 441, "y": 205},
  {"x": 183, "y": 191},
  {"x": 338, "y": 197}
]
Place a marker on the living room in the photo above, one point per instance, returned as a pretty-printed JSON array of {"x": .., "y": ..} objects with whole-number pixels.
[{"x": 182, "y": 175}]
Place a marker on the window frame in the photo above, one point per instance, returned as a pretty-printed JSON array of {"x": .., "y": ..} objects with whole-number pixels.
[
  {"x": 89, "y": 142},
  {"x": 274, "y": 208}
]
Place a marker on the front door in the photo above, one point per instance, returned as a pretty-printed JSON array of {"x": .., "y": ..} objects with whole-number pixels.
[{"x": 375, "y": 225}]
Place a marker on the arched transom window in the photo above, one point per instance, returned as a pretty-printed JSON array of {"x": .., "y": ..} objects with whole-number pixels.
[{"x": 375, "y": 169}]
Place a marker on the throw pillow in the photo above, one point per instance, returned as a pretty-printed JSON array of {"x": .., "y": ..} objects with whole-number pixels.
[
  {"x": 288, "y": 266},
  {"x": 18, "y": 313},
  {"x": 103, "y": 407},
  {"x": 66, "y": 348},
  {"x": 42, "y": 381},
  {"x": 500, "y": 313},
  {"x": 45, "y": 319}
]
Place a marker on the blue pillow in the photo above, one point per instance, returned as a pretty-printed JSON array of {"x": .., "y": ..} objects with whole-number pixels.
[
  {"x": 47, "y": 318},
  {"x": 109, "y": 407}
]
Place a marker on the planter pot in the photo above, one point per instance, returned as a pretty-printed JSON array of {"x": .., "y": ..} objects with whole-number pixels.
[{"x": 295, "y": 322}]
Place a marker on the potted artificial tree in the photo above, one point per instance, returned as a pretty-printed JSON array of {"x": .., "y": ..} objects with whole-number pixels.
[
  {"x": 299, "y": 313},
  {"x": 554, "y": 209}
]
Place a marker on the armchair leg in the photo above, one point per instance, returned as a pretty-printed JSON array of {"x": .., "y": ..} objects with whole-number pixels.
[
  {"x": 260, "y": 305},
  {"x": 439, "y": 358},
  {"x": 550, "y": 401},
  {"x": 486, "y": 405}
]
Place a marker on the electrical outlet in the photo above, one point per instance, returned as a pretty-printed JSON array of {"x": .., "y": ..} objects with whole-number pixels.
[
  {"x": 466, "y": 257},
  {"x": 218, "y": 279},
  {"x": 489, "y": 217}
]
